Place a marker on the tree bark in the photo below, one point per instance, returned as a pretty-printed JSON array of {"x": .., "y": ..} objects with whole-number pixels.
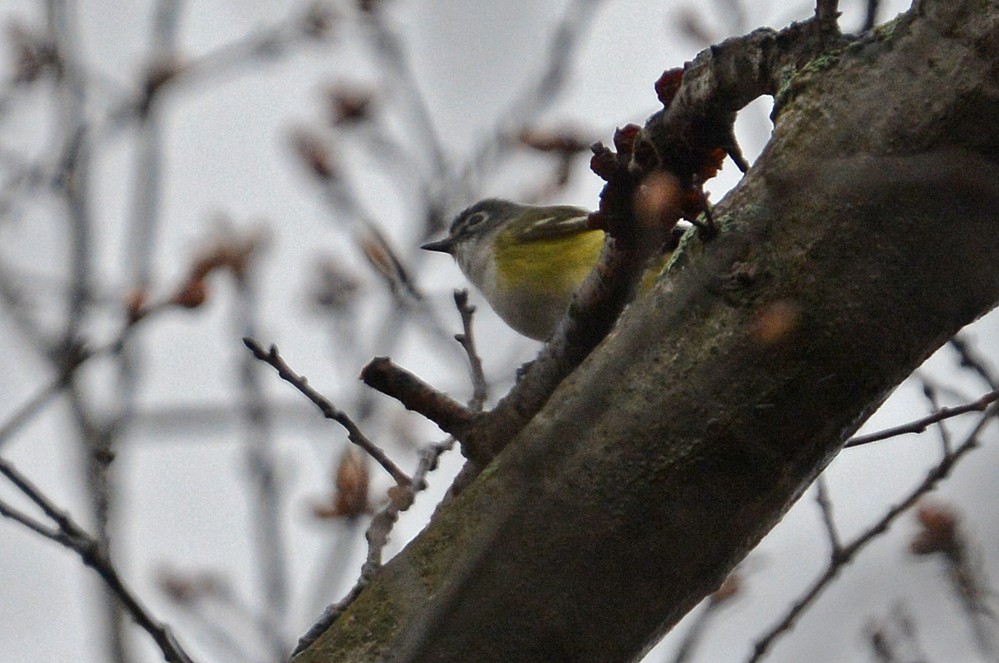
[{"x": 861, "y": 240}]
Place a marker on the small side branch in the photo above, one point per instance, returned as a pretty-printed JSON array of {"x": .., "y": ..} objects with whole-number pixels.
[
  {"x": 920, "y": 425},
  {"x": 480, "y": 389},
  {"x": 354, "y": 434},
  {"x": 451, "y": 416},
  {"x": 970, "y": 360},
  {"x": 825, "y": 508}
]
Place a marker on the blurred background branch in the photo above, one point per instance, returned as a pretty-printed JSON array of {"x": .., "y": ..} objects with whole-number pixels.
[{"x": 139, "y": 146}]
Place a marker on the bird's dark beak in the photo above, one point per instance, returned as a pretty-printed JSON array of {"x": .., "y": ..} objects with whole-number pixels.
[{"x": 445, "y": 245}]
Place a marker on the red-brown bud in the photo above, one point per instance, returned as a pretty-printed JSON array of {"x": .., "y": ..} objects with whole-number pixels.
[{"x": 668, "y": 84}]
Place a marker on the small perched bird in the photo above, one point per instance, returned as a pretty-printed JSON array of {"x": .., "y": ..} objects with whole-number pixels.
[{"x": 527, "y": 261}]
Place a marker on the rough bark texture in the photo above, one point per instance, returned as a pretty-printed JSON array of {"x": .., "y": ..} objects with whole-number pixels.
[{"x": 864, "y": 237}]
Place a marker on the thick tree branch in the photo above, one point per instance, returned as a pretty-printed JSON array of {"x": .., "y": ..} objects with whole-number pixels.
[{"x": 676, "y": 445}]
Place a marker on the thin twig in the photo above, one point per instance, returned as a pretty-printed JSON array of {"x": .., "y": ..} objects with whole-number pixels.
[
  {"x": 480, "y": 389},
  {"x": 93, "y": 554},
  {"x": 8, "y": 511},
  {"x": 694, "y": 635},
  {"x": 825, "y": 508},
  {"x": 920, "y": 425},
  {"x": 32, "y": 407},
  {"x": 971, "y": 360},
  {"x": 330, "y": 411},
  {"x": 930, "y": 394},
  {"x": 850, "y": 551}
]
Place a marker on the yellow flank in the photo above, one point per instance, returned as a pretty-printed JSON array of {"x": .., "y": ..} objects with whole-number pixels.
[{"x": 522, "y": 269}]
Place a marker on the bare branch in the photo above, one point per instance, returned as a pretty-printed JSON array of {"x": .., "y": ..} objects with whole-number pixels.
[
  {"x": 920, "y": 425},
  {"x": 825, "y": 508},
  {"x": 415, "y": 394},
  {"x": 480, "y": 389},
  {"x": 8, "y": 511},
  {"x": 94, "y": 555},
  {"x": 852, "y": 549},
  {"x": 354, "y": 434},
  {"x": 930, "y": 394},
  {"x": 970, "y": 360}
]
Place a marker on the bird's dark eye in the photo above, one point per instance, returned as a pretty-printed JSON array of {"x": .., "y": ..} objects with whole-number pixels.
[
  {"x": 475, "y": 219},
  {"x": 470, "y": 221}
]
